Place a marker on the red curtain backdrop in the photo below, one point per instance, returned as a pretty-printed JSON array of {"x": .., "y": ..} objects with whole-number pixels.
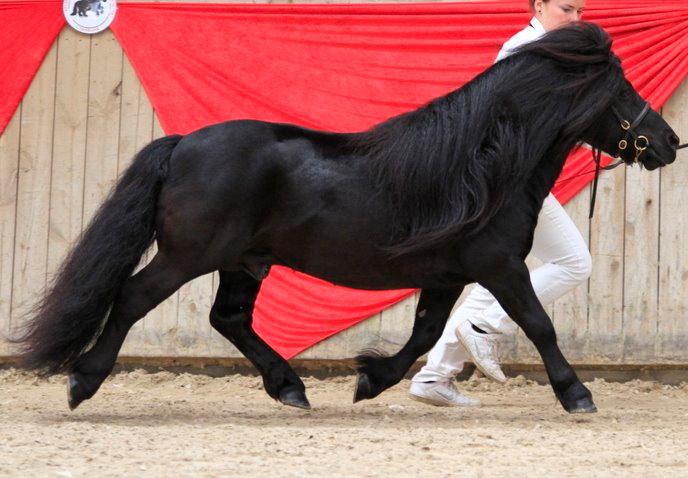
[
  {"x": 27, "y": 30},
  {"x": 345, "y": 68}
]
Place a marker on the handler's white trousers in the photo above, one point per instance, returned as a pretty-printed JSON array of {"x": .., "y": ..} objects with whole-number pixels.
[{"x": 567, "y": 263}]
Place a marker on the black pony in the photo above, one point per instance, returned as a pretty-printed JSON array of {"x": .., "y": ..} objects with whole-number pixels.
[{"x": 435, "y": 199}]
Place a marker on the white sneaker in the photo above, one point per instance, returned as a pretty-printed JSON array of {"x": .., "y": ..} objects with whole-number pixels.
[
  {"x": 483, "y": 350},
  {"x": 442, "y": 394}
]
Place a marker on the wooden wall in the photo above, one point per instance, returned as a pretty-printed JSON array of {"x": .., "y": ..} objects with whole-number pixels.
[{"x": 86, "y": 114}]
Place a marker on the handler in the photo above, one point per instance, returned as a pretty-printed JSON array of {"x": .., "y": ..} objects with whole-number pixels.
[{"x": 477, "y": 325}]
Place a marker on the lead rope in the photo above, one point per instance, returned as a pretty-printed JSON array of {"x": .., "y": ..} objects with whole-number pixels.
[{"x": 597, "y": 157}]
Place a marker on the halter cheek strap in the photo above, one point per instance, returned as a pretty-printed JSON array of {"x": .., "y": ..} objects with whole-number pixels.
[
  {"x": 623, "y": 144},
  {"x": 640, "y": 143}
]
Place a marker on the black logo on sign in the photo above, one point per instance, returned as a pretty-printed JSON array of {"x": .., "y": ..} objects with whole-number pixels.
[{"x": 82, "y": 7}]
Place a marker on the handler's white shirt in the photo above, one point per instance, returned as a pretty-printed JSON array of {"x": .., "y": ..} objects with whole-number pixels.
[{"x": 531, "y": 33}]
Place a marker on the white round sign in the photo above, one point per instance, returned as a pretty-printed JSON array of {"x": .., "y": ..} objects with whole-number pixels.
[{"x": 89, "y": 16}]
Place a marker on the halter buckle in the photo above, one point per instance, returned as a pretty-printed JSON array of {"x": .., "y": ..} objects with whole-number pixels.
[
  {"x": 623, "y": 144},
  {"x": 642, "y": 148},
  {"x": 625, "y": 125}
]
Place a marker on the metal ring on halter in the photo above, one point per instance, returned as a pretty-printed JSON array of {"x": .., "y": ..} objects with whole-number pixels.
[
  {"x": 623, "y": 144},
  {"x": 625, "y": 125},
  {"x": 643, "y": 148}
]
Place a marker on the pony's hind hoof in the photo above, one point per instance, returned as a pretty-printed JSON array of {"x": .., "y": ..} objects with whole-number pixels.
[
  {"x": 364, "y": 389},
  {"x": 584, "y": 405},
  {"x": 294, "y": 398},
  {"x": 77, "y": 390}
]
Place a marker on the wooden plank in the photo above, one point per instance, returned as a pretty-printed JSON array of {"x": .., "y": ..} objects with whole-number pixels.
[
  {"x": 33, "y": 191},
  {"x": 69, "y": 145},
  {"x": 641, "y": 252},
  {"x": 102, "y": 142},
  {"x": 672, "y": 324},
  {"x": 606, "y": 282},
  {"x": 9, "y": 172},
  {"x": 135, "y": 131},
  {"x": 570, "y": 312},
  {"x": 193, "y": 323}
]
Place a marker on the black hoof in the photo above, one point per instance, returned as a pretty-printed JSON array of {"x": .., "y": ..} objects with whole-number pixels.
[
  {"x": 294, "y": 398},
  {"x": 81, "y": 386},
  {"x": 584, "y": 405},
  {"x": 364, "y": 389},
  {"x": 75, "y": 392},
  {"x": 577, "y": 399}
]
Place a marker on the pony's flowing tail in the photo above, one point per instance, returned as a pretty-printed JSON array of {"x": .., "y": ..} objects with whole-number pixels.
[{"x": 74, "y": 309}]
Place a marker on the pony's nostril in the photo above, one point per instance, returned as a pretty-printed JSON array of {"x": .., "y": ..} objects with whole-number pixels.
[{"x": 673, "y": 140}]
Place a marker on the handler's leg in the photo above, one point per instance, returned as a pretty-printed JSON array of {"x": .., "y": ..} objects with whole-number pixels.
[
  {"x": 512, "y": 288},
  {"x": 434, "y": 383},
  {"x": 377, "y": 372},
  {"x": 231, "y": 315}
]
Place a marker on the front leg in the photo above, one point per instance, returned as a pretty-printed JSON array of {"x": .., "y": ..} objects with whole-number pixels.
[
  {"x": 513, "y": 290},
  {"x": 378, "y": 372}
]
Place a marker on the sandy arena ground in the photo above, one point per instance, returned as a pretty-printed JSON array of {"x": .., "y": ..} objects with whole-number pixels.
[{"x": 169, "y": 425}]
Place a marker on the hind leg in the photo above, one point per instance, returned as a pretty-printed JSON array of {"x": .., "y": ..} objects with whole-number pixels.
[
  {"x": 140, "y": 294},
  {"x": 377, "y": 373},
  {"x": 231, "y": 316}
]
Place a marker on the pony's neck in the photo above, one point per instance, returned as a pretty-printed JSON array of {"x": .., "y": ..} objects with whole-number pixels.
[{"x": 547, "y": 171}]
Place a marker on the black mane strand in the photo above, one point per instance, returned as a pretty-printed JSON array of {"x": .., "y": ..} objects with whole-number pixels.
[{"x": 449, "y": 165}]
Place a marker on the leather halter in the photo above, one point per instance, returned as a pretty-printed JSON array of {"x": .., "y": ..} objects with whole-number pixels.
[
  {"x": 640, "y": 142},
  {"x": 630, "y": 131}
]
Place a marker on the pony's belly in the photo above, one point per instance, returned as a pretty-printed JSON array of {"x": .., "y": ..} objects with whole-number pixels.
[{"x": 361, "y": 266}]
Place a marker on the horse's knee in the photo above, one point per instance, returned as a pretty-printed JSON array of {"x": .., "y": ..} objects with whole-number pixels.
[
  {"x": 540, "y": 331},
  {"x": 134, "y": 302},
  {"x": 228, "y": 320},
  {"x": 216, "y": 319}
]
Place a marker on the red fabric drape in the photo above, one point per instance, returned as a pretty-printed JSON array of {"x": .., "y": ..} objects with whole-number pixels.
[
  {"x": 346, "y": 67},
  {"x": 27, "y": 30}
]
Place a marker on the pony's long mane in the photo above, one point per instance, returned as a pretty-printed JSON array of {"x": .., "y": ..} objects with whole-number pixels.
[{"x": 449, "y": 165}]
